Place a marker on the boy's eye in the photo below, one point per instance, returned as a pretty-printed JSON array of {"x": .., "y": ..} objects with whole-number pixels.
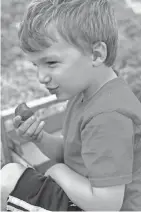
[
  {"x": 51, "y": 63},
  {"x": 34, "y": 64}
]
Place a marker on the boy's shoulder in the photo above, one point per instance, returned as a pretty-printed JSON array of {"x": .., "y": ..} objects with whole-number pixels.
[{"x": 116, "y": 96}]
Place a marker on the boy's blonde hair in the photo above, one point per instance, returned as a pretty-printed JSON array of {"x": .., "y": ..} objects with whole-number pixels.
[{"x": 80, "y": 22}]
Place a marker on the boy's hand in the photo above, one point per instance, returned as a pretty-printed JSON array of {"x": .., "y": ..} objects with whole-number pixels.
[{"x": 29, "y": 130}]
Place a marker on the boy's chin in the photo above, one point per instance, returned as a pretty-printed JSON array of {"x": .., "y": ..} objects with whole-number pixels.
[{"x": 63, "y": 96}]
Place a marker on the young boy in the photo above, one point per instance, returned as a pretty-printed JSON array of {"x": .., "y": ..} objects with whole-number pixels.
[{"x": 74, "y": 45}]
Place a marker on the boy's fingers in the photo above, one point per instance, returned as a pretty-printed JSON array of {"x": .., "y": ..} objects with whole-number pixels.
[
  {"x": 31, "y": 130},
  {"x": 24, "y": 127},
  {"x": 17, "y": 121},
  {"x": 39, "y": 132},
  {"x": 39, "y": 136},
  {"x": 39, "y": 129}
]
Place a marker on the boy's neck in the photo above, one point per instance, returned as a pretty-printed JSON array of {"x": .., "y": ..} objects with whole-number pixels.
[{"x": 103, "y": 76}]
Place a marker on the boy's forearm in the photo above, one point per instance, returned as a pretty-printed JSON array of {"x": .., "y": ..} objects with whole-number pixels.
[
  {"x": 52, "y": 146},
  {"x": 77, "y": 187},
  {"x": 79, "y": 190}
]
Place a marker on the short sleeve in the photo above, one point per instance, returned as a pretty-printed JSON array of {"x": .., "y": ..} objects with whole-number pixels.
[{"x": 107, "y": 149}]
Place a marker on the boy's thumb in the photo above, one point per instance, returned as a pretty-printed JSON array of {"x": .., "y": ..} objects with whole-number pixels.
[{"x": 17, "y": 121}]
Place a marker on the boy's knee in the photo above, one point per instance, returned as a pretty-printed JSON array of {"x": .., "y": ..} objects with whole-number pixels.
[{"x": 10, "y": 174}]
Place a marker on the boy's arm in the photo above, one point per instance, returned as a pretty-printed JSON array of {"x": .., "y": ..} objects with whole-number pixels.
[
  {"x": 107, "y": 152},
  {"x": 52, "y": 146},
  {"x": 79, "y": 190}
]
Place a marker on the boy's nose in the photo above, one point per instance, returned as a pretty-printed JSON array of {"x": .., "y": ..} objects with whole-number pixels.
[{"x": 44, "y": 77}]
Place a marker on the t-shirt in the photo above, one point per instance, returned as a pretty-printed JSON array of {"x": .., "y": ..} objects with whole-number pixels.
[{"x": 102, "y": 139}]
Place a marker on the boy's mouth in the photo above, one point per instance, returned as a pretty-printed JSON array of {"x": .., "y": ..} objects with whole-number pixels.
[{"x": 52, "y": 90}]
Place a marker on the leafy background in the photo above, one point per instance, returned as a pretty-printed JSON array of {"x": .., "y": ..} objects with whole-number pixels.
[{"x": 18, "y": 76}]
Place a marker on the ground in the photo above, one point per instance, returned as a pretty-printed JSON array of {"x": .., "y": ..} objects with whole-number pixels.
[{"x": 18, "y": 76}]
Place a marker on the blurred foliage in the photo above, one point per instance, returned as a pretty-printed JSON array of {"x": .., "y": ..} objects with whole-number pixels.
[{"x": 18, "y": 76}]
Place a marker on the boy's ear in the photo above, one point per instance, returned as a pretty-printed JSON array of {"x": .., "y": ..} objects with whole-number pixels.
[{"x": 99, "y": 54}]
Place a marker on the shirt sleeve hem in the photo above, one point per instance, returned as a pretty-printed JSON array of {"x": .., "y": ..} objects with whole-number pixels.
[{"x": 110, "y": 181}]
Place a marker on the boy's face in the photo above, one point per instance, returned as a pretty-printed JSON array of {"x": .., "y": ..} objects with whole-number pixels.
[{"x": 64, "y": 67}]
